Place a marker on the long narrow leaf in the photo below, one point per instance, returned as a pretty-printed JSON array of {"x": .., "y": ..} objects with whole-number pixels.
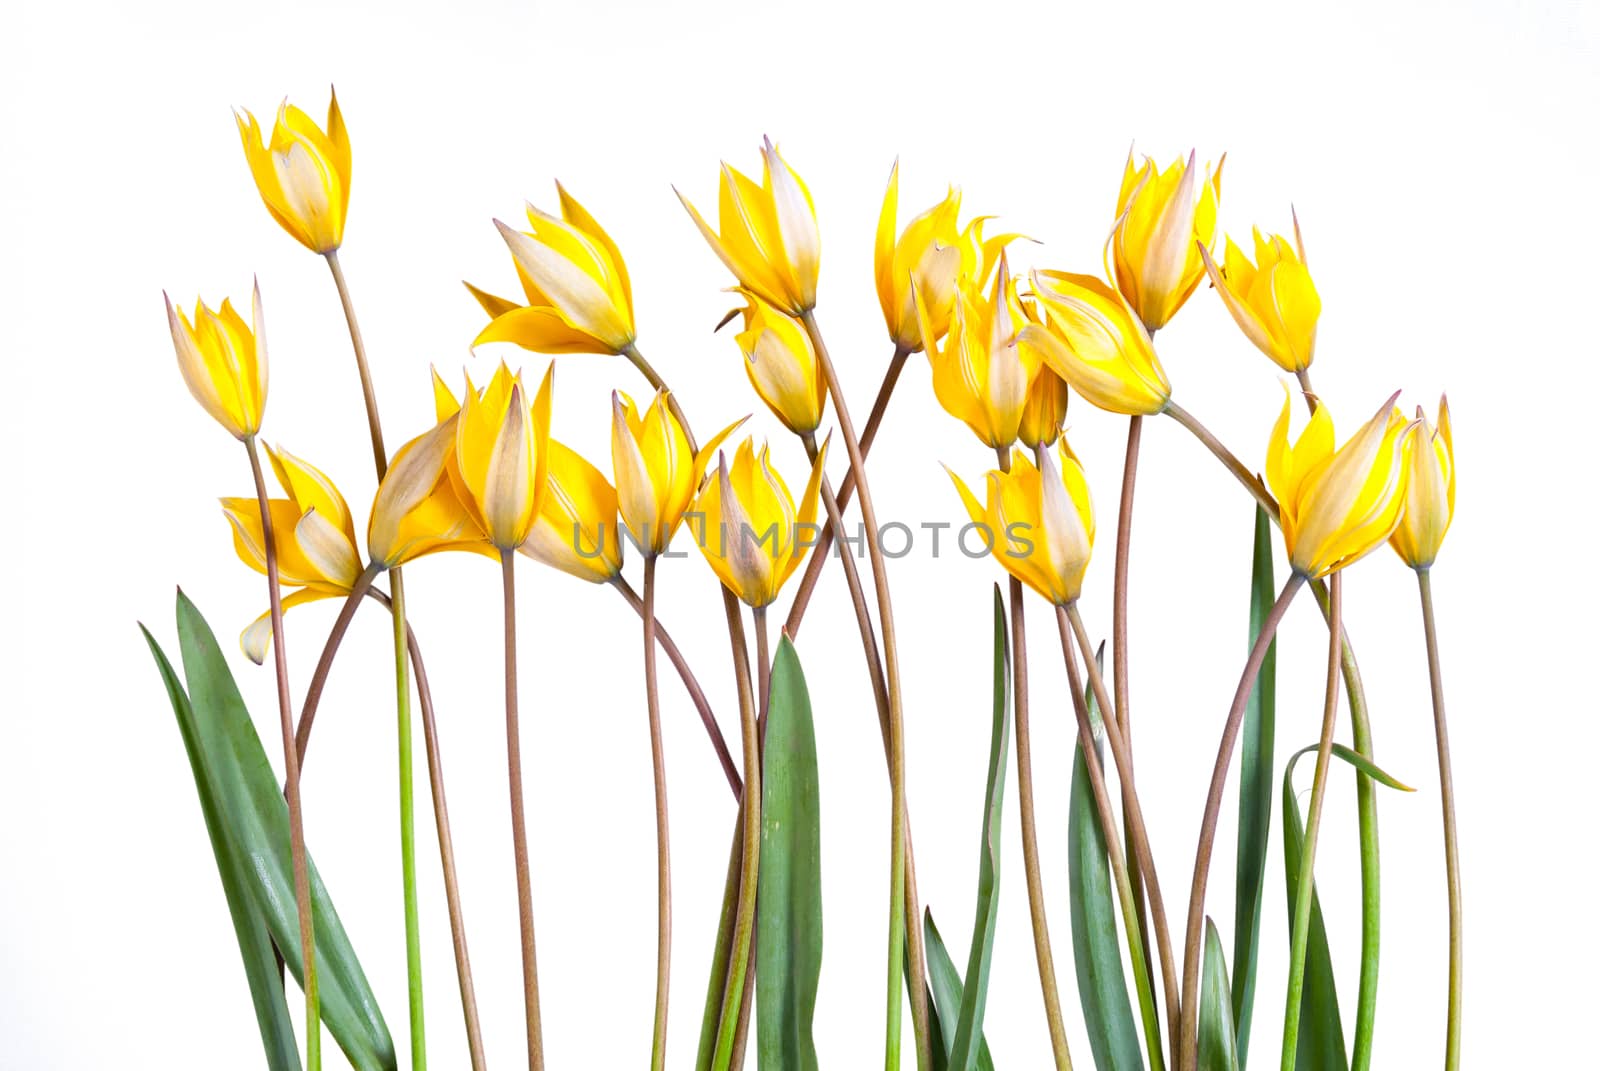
[
  {"x": 255, "y": 942},
  {"x": 789, "y": 890},
  {"x": 257, "y": 823},
  {"x": 944, "y": 984},
  {"x": 1255, "y": 791},
  {"x": 1102, "y": 985},
  {"x": 974, "y": 997},
  {"x": 1218, "y": 1046}
]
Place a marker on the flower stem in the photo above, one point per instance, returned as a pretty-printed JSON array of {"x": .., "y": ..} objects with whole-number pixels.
[
  {"x": 1227, "y": 457},
  {"x": 319, "y": 677},
  {"x": 1447, "y": 801},
  {"x": 899, "y": 939},
  {"x": 741, "y": 1031},
  {"x": 1042, "y": 953},
  {"x": 519, "y": 832},
  {"x": 658, "y": 763},
  {"x": 691, "y": 684},
  {"x": 1188, "y": 1042},
  {"x": 408, "y": 849},
  {"x": 380, "y": 456},
  {"x": 291, "y": 764},
  {"x": 1300, "y": 930},
  {"x": 1119, "y": 865},
  {"x": 869, "y": 432}
]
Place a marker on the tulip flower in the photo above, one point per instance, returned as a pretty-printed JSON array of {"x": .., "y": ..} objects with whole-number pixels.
[
  {"x": 1273, "y": 301},
  {"x": 782, "y": 365},
  {"x": 419, "y": 508},
  {"x": 982, "y": 374},
  {"x": 224, "y": 361},
  {"x": 753, "y": 536},
  {"x": 1337, "y": 505},
  {"x": 577, "y": 529},
  {"x": 314, "y": 535},
  {"x": 1039, "y": 522},
  {"x": 502, "y": 442},
  {"x": 657, "y": 473},
  {"x": 1094, "y": 341},
  {"x": 1045, "y": 410},
  {"x": 768, "y": 237},
  {"x": 1164, "y": 218},
  {"x": 577, "y": 289},
  {"x": 303, "y": 173},
  {"x": 929, "y": 256},
  {"x": 1430, "y": 498}
]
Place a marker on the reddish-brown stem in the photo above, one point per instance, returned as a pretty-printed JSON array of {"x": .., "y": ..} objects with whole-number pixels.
[
  {"x": 519, "y": 831},
  {"x": 319, "y": 676},
  {"x": 658, "y": 766}
]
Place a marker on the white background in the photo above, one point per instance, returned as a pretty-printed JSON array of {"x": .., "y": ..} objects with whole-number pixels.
[{"x": 1442, "y": 159}]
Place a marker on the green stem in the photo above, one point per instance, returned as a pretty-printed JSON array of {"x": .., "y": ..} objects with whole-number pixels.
[
  {"x": 658, "y": 765},
  {"x": 408, "y": 843},
  {"x": 1301, "y": 931},
  {"x": 1447, "y": 802}
]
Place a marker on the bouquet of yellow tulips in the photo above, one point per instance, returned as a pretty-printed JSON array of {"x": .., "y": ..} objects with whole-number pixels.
[{"x": 1009, "y": 353}]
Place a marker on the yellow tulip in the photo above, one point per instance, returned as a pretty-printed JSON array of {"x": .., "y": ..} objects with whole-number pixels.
[
  {"x": 420, "y": 507},
  {"x": 769, "y": 237},
  {"x": 1161, "y": 216},
  {"x": 931, "y": 254},
  {"x": 224, "y": 361},
  {"x": 782, "y": 365},
  {"x": 1093, "y": 340},
  {"x": 1273, "y": 301},
  {"x": 1045, "y": 411},
  {"x": 982, "y": 374},
  {"x": 753, "y": 536},
  {"x": 657, "y": 474},
  {"x": 579, "y": 297},
  {"x": 1337, "y": 505},
  {"x": 313, "y": 535},
  {"x": 303, "y": 173},
  {"x": 577, "y": 529},
  {"x": 1038, "y": 522},
  {"x": 1430, "y": 499},
  {"x": 502, "y": 442}
]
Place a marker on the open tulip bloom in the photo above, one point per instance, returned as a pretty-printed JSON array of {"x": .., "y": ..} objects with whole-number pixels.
[{"x": 1007, "y": 352}]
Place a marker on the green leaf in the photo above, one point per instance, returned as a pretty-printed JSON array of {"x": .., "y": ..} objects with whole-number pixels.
[
  {"x": 1102, "y": 986},
  {"x": 256, "y": 821},
  {"x": 1255, "y": 790},
  {"x": 1320, "y": 1045},
  {"x": 944, "y": 983},
  {"x": 1218, "y": 1047},
  {"x": 974, "y": 997},
  {"x": 789, "y": 889},
  {"x": 249, "y": 927}
]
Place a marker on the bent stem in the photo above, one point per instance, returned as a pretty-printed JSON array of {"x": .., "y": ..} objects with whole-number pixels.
[
  {"x": 380, "y": 456},
  {"x": 319, "y": 677},
  {"x": 1138, "y": 837},
  {"x": 1447, "y": 802},
  {"x": 1187, "y": 1042},
  {"x": 519, "y": 831},
  {"x": 900, "y": 942},
  {"x": 658, "y": 765},
  {"x": 291, "y": 776},
  {"x": 1030, "y": 835},
  {"x": 408, "y": 849},
  {"x": 1301, "y": 931},
  {"x": 1119, "y": 865},
  {"x": 869, "y": 432}
]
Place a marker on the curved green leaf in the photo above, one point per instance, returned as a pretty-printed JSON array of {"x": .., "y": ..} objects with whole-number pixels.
[
  {"x": 1218, "y": 1046},
  {"x": 944, "y": 985},
  {"x": 249, "y": 927},
  {"x": 789, "y": 889},
  {"x": 256, "y": 821}
]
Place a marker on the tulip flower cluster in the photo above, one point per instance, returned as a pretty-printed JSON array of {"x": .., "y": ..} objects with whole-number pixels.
[{"x": 1010, "y": 350}]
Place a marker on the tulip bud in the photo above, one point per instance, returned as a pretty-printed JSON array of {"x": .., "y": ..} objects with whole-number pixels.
[
  {"x": 577, "y": 528},
  {"x": 1430, "y": 499},
  {"x": 769, "y": 237},
  {"x": 753, "y": 537},
  {"x": 657, "y": 473},
  {"x": 224, "y": 362},
  {"x": 502, "y": 441},
  {"x": 1273, "y": 301},
  {"x": 1336, "y": 506},
  {"x": 576, "y": 284},
  {"x": 303, "y": 173},
  {"x": 782, "y": 365},
  {"x": 1039, "y": 522},
  {"x": 982, "y": 374},
  {"x": 1045, "y": 411},
  {"x": 1163, "y": 219},
  {"x": 1093, "y": 340}
]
